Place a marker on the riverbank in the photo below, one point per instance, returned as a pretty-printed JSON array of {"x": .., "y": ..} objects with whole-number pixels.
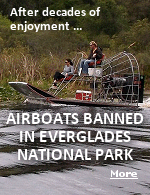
[{"x": 8, "y": 95}]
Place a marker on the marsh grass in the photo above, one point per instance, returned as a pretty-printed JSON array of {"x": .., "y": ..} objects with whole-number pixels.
[{"x": 17, "y": 64}]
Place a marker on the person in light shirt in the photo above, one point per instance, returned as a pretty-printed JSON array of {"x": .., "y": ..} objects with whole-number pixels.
[{"x": 68, "y": 71}]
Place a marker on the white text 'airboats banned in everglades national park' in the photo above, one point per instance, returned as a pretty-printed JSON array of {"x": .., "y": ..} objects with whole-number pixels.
[{"x": 114, "y": 82}]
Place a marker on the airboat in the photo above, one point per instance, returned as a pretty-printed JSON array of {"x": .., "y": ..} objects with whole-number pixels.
[{"x": 112, "y": 82}]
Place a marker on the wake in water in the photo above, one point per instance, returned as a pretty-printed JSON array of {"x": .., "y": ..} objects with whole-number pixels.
[{"x": 145, "y": 104}]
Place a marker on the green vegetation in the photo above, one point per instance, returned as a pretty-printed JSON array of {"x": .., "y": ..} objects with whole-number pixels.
[
  {"x": 7, "y": 94},
  {"x": 34, "y": 57}
]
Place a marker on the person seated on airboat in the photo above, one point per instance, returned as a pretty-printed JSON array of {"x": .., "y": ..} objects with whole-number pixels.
[
  {"x": 66, "y": 75},
  {"x": 95, "y": 54}
]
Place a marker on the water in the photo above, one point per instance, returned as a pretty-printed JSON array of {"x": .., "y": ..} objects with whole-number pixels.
[{"x": 90, "y": 177}]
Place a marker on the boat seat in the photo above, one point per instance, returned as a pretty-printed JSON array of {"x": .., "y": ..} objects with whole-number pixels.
[
  {"x": 66, "y": 79},
  {"x": 98, "y": 62}
]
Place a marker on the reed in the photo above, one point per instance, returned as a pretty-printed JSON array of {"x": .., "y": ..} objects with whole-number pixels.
[{"x": 18, "y": 64}]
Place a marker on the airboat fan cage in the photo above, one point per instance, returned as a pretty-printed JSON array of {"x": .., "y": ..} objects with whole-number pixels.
[{"x": 120, "y": 79}]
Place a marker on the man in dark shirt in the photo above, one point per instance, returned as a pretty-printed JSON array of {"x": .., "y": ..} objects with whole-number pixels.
[{"x": 94, "y": 53}]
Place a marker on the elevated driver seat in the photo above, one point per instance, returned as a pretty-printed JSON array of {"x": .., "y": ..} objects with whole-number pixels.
[{"x": 98, "y": 62}]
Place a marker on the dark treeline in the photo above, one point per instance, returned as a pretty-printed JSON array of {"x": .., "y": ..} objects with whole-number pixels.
[{"x": 121, "y": 25}]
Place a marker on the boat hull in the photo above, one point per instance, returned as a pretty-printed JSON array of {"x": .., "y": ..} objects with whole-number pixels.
[{"x": 32, "y": 92}]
